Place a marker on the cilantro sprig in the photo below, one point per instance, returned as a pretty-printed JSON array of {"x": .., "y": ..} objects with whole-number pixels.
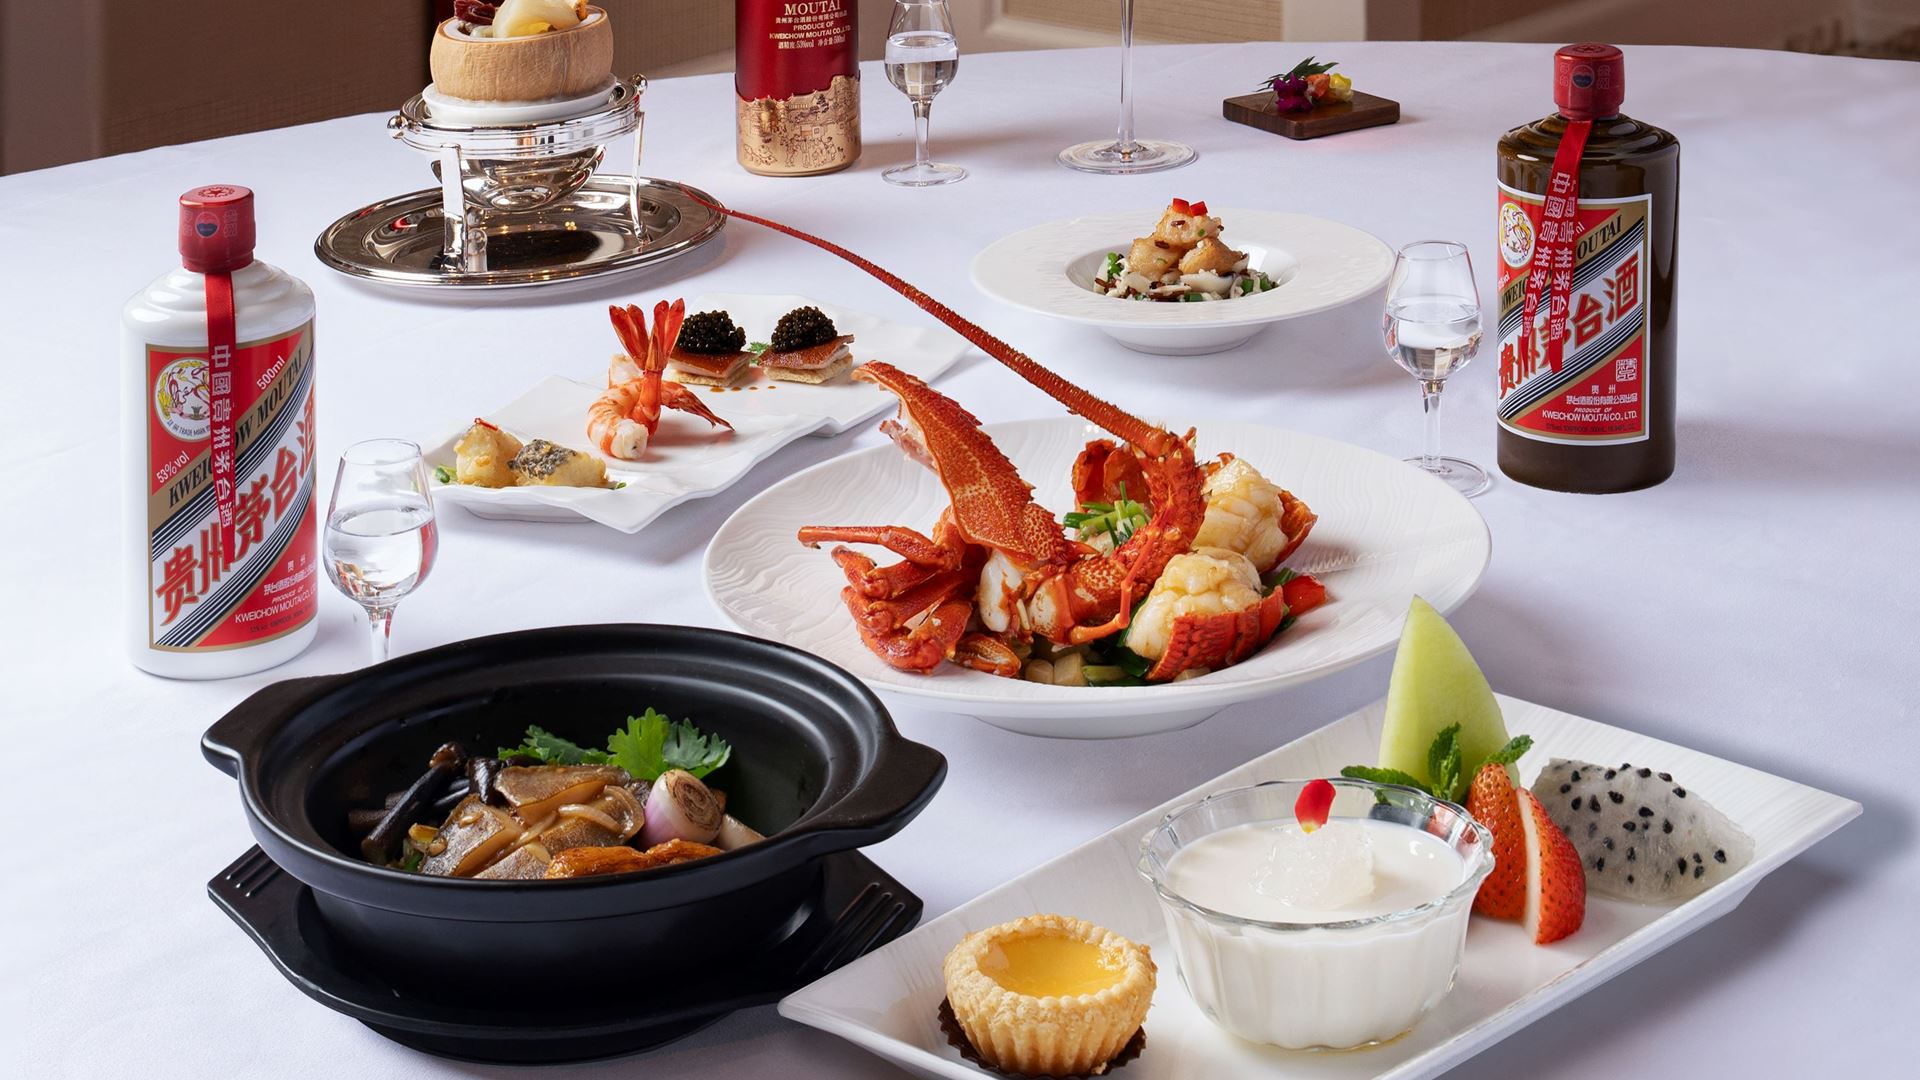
[{"x": 649, "y": 744}]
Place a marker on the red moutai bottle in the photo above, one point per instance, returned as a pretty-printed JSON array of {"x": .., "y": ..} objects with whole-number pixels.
[
  {"x": 796, "y": 80},
  {"x": 1587, "y": 204}
]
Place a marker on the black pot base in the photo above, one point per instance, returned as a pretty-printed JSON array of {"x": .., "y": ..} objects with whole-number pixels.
[{"x": 857, "y": 908}]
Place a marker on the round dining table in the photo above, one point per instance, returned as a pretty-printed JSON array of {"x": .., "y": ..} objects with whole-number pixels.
[{"x": 1760, "y": 605}]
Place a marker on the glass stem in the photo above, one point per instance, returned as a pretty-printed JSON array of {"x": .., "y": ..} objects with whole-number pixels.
[
  {"x": 380, "y": 621},
  {"x": 922, "y": 121},
  {"x": 1126, "y": 75},
  {"x": 1430, "y": 445}
]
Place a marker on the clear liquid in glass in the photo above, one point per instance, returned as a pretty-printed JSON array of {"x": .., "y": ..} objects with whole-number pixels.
[
  {"x": 1432, "y": 336},
  {"x": 920, "y": 63},
  {"x": 377, "y": 553}
]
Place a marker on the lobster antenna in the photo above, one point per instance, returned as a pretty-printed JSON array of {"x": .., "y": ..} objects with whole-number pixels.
[{"x": 1151, "y": 438}]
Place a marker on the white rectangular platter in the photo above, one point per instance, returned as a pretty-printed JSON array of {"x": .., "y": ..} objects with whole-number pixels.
[
  {"x": 688, "y": 458},
  {"x": 887, "y": 1000}
]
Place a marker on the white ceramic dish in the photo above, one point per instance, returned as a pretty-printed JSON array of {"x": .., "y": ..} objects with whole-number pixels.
[
  {"x": 1050, "y": 268},
  {"x": 1387, "y": 531},
  {"x": 445, "y": 109},
  {"x": 689, "y": 459},
  {"x": 886, "y": 1001}
]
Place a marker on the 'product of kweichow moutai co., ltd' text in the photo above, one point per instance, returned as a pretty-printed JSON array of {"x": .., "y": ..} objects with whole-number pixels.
[
  {"x": 218, "y": 432},
  {"x": 796, "y": 72},
  {"x": 1587, "y": 203}
]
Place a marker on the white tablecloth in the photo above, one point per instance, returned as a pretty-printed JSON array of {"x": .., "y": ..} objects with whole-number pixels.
[{"x": 1758, "y": 606}]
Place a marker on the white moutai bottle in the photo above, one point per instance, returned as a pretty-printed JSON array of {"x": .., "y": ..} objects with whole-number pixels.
[{"x": 217, "y": 428}]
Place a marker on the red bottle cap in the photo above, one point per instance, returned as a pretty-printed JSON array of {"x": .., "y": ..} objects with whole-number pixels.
[
  {"x": 1589, "y": 80},
  {"x": 216, "y": 228}
]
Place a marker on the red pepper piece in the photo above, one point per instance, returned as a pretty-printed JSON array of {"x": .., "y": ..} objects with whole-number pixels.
[
  {"x": 1313, "y": 805},
  {"x": 1198, "y": 209},
  {"x": 1181, "y": 206},
  {"x": 1303, "y": 594}
]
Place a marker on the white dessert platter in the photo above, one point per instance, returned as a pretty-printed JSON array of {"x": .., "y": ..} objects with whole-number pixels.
[
  {"x": 1049, "y": 269},
  {"x": 688, "y": 459},
  {"x": 886, "y": 1002},
  {"x": 1387, "y": 532}
]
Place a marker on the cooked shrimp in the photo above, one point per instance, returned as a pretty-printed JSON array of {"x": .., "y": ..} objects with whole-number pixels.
[
  {"x": 610, "y": 427},
  {"x": 1210, "y": 256},
  {"x": 648, "y": 357},
  {"x": 1204, "y": 581}
]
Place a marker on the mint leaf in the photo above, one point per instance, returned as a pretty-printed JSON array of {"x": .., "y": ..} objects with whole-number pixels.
[
  {"x": 550, "y": 749},
  {"x": 1443, "y": 762},
  {"x": 1511, "y": 752},
  {"x": 1382, "y": 776}
]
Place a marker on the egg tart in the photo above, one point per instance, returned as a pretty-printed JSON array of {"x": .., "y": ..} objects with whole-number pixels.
[{"x": 1049, "y": 995}]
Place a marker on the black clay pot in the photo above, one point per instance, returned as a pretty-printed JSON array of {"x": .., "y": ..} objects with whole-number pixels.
[{"x": 817, "y": 766}]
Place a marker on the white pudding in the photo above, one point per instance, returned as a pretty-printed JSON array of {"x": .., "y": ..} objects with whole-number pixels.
[{"x": 1333, "y": 939}]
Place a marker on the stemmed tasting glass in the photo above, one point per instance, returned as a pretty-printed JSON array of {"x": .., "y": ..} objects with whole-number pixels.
[
  {"x": 380, "y": 539},
  {"x": 1126, "y": 154},
  {"x": 1432, "y": 329},
  {"x": 921, "y": 59}
]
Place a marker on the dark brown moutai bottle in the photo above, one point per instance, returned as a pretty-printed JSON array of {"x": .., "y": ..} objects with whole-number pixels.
[{"x": 1588, "y": 202}]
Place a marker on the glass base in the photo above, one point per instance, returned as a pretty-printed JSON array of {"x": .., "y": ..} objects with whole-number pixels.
[
  {"x": 913, "y": 174},
  {"x": 1142, "y": 156},
  {"x": 1462, "y": 476}
]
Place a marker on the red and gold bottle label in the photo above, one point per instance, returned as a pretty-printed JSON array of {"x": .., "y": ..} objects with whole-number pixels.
[
  {"x": 249, "y": 417},
  {"x": 1579, "y": 374},
  {"x": 797, "y": 85}
]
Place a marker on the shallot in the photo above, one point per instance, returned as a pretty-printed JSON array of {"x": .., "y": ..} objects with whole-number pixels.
[
  {"x": 735, "y": 833},
  {"x": 680, "y": 807}
]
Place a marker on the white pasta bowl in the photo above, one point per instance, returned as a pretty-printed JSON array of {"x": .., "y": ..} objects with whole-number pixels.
[
  {"x": 1387, "y": 532},
  {"x": 1050, "y": 269}
]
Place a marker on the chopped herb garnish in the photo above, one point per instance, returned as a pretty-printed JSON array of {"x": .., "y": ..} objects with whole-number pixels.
[{"x": 647, "y": 746}]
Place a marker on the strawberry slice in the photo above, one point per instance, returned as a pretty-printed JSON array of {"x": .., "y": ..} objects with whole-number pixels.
[
  {"x": 1314, "y": 804},
  {"x": 1556, "y": 882},
  {"x": 1492, "y": 803}
]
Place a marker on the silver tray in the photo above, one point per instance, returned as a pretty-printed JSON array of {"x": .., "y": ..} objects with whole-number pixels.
[{"x": 610, "y": 225}]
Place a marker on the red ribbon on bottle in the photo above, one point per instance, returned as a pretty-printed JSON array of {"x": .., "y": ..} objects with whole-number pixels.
[
  {"x": 221, "y": 451},
  {"x": 1551, "y": 272}
]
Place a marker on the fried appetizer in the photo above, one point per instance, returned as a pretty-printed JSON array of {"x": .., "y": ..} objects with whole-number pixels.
[{"x": 482, "y": 456}]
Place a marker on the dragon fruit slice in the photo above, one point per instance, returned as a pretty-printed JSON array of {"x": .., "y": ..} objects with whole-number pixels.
[{"x": 1641, "y": 834}]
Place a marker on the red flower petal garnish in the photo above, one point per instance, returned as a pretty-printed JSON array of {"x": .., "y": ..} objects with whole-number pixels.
[{"x": 1313, "y": 805}]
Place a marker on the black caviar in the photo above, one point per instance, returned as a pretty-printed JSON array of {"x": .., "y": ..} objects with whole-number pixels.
[
  {"x": 711, "y": 333},
  {"x": 803, "y": 328}
]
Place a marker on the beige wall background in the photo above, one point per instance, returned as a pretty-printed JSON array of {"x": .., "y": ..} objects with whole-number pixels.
[{"x": 86, "y": 78}]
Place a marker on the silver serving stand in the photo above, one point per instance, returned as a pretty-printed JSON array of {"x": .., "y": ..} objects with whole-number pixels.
[{"x": 520, "y": 205}]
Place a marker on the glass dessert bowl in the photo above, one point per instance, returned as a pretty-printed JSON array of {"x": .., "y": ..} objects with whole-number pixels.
[{"x": 1333, "y": 938}]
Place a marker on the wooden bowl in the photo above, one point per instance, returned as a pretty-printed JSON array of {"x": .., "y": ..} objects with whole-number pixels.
[{"x": 558, "y": 63}]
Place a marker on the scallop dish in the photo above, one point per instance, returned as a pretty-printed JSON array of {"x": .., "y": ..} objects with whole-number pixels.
[{"x": 1184, "y": 260}]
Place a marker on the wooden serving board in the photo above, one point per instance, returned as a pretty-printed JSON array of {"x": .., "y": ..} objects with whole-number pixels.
[{"x": 1256, "y": 110}]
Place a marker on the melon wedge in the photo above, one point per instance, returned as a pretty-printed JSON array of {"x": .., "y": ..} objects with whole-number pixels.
[{"x": 1436, "y": 684}]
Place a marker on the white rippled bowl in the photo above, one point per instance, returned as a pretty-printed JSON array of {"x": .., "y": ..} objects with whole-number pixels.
[
  {"x": 1387, "y": 532},
  {"x": 1049, "y": 269}
]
